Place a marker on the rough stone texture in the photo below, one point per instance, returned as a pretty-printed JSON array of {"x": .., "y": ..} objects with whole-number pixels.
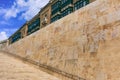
[
  {"x": 84, "y": 43},
  {"x": 3, "y": 44}
]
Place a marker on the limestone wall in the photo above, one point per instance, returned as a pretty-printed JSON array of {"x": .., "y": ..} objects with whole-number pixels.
[
  {"x": 85, "y": 43},
  {"x": 3, "y": 44}
]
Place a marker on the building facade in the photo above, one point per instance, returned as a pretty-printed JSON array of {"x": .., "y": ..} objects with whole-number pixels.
[
  {"x": 3, "y": 44},
  {"x": 15, "y": 37},
  {"x": 61, "y": 8},
  {"x": 45, "y": 15},
  {"x": 21, "y": 33},
  {"x": 33, "y": 24},
  {"x": 66, "y": 7},
  {"x": 23, "y": 30},
  {"x": 53, "y": 11}
]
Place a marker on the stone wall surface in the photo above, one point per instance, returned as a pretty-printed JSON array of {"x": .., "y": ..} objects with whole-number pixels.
[
  {"x": 85, "y": 43},
  {"x": 3, "y": 44}
]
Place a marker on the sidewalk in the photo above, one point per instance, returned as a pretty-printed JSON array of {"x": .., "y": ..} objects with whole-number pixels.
[{"x": 14, "y": 69}]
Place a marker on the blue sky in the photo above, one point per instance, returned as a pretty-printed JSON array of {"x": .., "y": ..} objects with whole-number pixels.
[{"x": 14, "y": 13}]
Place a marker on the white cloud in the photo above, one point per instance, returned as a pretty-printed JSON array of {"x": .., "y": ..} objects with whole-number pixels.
[
  {"x": 34, "y": 7},
  {"x": 9, "y": 31},
  {"x": 28, "y": 9},
  {"x": 11, "y": 13},
  {"x": 21, "y": 3},
  {"x": 2, "y": 11},
  {"x": 3, "y": 36},
  {"x": 4, "y": 23}
]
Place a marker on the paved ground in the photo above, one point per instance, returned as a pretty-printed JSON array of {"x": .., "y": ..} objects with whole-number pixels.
[{"x": 14, "y": 69}]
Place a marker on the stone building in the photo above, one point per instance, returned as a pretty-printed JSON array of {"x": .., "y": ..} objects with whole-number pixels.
[
  {"x": 3, "y": 44},
  {"x": 53, "y": 11},
  {"x": 83, "y": 45},
  {"x": 20, "y": 33},
  {"x": 34, "y": 24},
  {"x": 23, "y": 30},
  {"x": 15, "y": 37},
  {"x": 45, "y": 15},
  {"x": 61, "y": 8}
]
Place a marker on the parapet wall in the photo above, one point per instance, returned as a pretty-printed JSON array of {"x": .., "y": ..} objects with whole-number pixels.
[{"x": 85, "y": 43}]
